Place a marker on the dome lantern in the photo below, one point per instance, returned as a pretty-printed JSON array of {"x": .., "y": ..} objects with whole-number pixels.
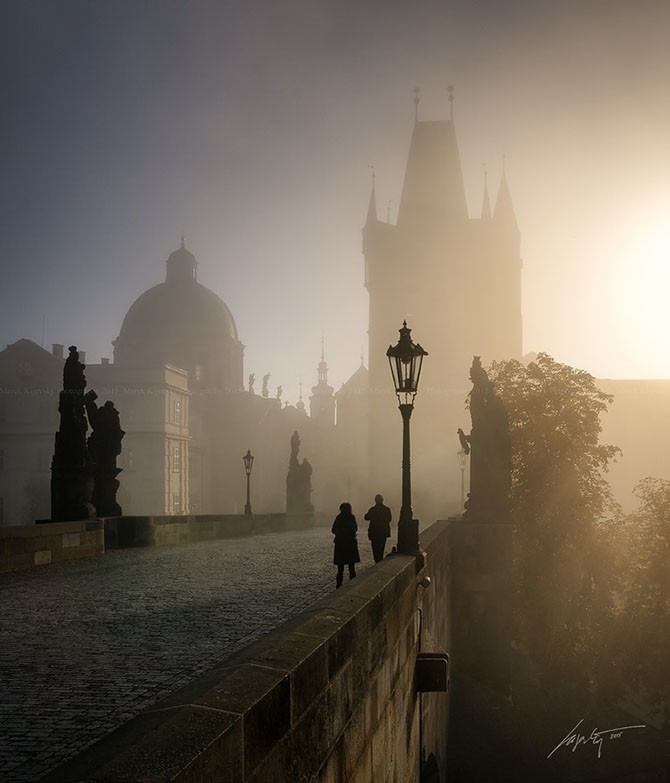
[{"x": 181, "y": 265}]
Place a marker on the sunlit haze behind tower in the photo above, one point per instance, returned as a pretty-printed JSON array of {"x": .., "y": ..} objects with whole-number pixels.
[{"x": 250, "y": 127}]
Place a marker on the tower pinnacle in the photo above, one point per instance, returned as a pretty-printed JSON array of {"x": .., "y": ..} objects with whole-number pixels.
[
  {"x": 372, "y": 204},
  {"x": 486, "y": 204}
]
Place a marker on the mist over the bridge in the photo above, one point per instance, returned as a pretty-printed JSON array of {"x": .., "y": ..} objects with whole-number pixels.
[{"x": 224, "y": 224}]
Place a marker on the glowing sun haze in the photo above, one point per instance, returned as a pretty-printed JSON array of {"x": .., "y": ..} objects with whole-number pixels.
[{"x": 250, "y": 126}]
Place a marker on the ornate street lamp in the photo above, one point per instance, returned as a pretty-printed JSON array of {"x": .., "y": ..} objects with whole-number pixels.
[
  {"x": 248, "y": 460},
  {"x": 405, "y": 360}
]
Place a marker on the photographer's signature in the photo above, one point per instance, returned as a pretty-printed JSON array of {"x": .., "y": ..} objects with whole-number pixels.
[{"x": 574, "y": 738}]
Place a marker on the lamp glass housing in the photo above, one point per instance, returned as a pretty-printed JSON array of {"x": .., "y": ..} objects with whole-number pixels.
[
  {"x": 405, "y": 360},
  {"x": 248, "y": 460}
]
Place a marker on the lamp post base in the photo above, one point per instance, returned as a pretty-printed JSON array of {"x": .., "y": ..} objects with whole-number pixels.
[
  {"x": 408, "y": 536},
  {"x": 247, "y": 509}
]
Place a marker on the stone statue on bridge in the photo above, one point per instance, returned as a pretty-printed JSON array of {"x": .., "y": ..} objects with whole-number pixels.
[
  {"x": 491, "y": 455},
  {"x": 71, "y": 466},
  {"x": 298, "y": 481},
  {"x": 83, "y": 472},
  {"x": 104, "y": 445}
]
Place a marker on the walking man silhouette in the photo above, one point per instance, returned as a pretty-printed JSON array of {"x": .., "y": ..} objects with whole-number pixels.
[{"x": 379, "y": 529}]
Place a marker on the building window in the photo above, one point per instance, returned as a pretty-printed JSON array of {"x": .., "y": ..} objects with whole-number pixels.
[
  {"x": 176, "y": 458},
  {"x": 198, "y": 372},
  {"x": 177, "y": 412},
  {"x": 176, "y": 503}
]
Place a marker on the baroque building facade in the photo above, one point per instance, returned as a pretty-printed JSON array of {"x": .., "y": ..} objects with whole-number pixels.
[{"x": 177, "y": 381}]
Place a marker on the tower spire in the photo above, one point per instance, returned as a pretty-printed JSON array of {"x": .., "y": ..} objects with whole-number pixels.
[
  {"x": 417, "y": 98},
  {"x": 433, "y": 189},
  {"x": 504, "y": 211},
  {"x": 372, "y": 205},
  {"x": 450, "y": 91},
  {"x": 486, "y": 204}
]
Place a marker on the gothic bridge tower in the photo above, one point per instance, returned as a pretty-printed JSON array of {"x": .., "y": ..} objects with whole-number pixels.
[{"x": 457, "y": 281}]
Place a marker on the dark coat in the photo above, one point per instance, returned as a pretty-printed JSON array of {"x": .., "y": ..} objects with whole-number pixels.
[
  {"x": 379, "y": 517},
  {"x": 346, "y": 547}
]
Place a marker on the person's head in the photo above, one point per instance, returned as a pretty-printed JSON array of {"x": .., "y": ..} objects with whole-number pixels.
[
  {"x": 379, "y": 499},
  {"x": 345, "y": 508}
]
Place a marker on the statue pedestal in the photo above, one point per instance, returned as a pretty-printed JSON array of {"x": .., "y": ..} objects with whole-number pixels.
[
  {"x": 104, "y": 495},
  {"x": 71, "y": 495},
  {"x": 481, "y": 561}
]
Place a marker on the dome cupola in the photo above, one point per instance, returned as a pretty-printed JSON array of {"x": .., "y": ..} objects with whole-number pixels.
[
  {"x": 181, "y": 265},
  {"x": 183, "y": 323}
]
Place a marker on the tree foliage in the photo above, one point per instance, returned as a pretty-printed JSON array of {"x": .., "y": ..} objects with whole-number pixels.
[
  {"x": 643, "y": 606},
  {"x": 559, "y": 501}
]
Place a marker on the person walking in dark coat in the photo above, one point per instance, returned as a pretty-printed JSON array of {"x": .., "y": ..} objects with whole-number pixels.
[
  {"x": 379, "y": 528},
  {"x": 346, "y": 547}
]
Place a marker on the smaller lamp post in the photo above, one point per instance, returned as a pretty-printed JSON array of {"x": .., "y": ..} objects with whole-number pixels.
[
  {"x": 462, "y": 462},
  {"x": 248, "y": 460},
  {"x": 405, "y": 359}
]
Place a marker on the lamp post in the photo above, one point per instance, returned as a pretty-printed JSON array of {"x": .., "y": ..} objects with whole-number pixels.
[
  {"x": 462, "y": 462},
  {"x": 405, "y": 360},
  {"x": 248, "y": 460}
]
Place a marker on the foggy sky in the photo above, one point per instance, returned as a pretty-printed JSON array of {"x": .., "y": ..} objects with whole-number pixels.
[{"x": 250, "y": 126}]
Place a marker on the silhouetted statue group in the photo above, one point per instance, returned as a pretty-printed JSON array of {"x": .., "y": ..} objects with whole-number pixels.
[
  {"x": 83, "y": 472},
  {"x": 298, "y": 481}
]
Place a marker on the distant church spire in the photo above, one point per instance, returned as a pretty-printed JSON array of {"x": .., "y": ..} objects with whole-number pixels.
[
  {"x": 417, "y": 99},
  {"x": 486, "y": 204},
  {"x": 322, "y": 401},
  {"x": 322, "y": 370},
  {"x": 182, "y": 247},
  {"x": 450, "y": 91}
]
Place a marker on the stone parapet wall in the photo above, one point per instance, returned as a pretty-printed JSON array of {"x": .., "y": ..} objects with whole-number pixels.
[
  {"x": 27, "y": 546},
  {"x": 328, "y": 696},
  {"x": 129, "y": 531}
]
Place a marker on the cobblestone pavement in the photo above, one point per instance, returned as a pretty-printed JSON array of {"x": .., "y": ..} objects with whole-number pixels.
[{"x": 88, "y": 644}]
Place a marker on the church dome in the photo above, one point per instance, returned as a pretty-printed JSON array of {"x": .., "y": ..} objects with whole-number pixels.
[{"x": 182, "y": 323}]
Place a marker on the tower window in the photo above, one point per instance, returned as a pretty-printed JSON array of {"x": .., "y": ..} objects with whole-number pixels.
[
  {"x": 176, "y": 503},
  {"x": 177, "y": 412},
  {"x": 176, "y": 459}
]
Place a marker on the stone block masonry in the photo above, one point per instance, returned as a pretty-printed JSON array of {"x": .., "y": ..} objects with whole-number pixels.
[{"x": 26, "y": 546}]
